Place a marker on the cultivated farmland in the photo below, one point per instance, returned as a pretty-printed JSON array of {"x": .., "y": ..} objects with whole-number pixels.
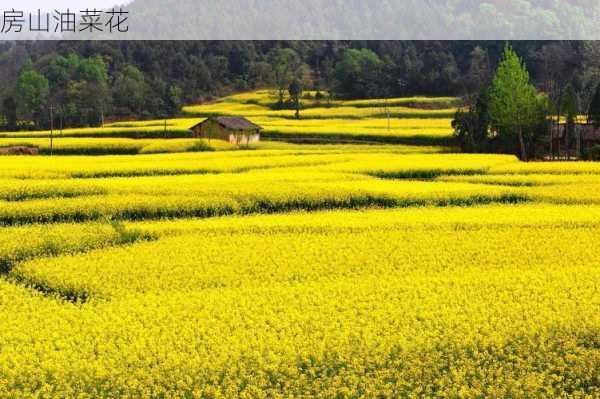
[
  {"x": 382, "y": 266},
  {"x": 418, "y": 120}
]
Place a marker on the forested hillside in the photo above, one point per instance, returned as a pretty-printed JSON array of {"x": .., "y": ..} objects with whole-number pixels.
[
  {"x": 88, "y": 81},
  {"x": 373, "y": 19}
]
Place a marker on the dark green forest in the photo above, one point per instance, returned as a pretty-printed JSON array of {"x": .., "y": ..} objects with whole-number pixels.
[{"x": 87, "y": 82}]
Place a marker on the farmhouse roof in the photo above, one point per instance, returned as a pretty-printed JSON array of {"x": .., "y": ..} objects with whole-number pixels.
[{"x": 231, "y": 122}]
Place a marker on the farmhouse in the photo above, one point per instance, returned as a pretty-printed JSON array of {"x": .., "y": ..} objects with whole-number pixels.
[
  {"x": 236, "y": 130},
  {"x": 583, "y": 137}
]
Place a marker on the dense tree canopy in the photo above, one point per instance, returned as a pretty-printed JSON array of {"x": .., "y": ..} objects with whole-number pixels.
[
  {"x": 90, "y": 80},
  {"x": 509, "y": 114},
  {"x": 31, "y": 92},
  {"x": 357, "y": 74}
]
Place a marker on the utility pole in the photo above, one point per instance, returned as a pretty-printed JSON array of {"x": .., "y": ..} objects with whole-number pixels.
[
  {"x": 387, "y": 112},
  {"x": 51, "y": 129}
]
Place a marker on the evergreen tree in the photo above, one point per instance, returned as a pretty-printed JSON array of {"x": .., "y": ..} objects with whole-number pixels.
[{"x": 513, "y": 101}]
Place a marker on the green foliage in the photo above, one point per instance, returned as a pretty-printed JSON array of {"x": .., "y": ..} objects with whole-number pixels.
[
  {"x": 174, "y": 100},
  {"x": 594, "y": 110},
  {"x": 32, "y": 91},
  {"x": 513, "y": 102},
  {"x": 79, "y": 88},
  {"x": 479, "y": 73},
  {"x": 472, "y": 126},
  {"x": 295, "y": 91},
  {"x": 570, "y": 109},
  {"x": 285, "y": 63},
  {"x": 129, "y": 90},
  {"x": 83, "y": 77},
  {"x": 569, "y": 104},
  {"x": 357, "y": 74},
  {"x": 9, "y": 111},
  {"x": 507, "y": 116}
]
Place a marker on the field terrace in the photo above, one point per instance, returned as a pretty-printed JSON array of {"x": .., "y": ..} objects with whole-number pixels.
[{"x": 292, "y": 270}]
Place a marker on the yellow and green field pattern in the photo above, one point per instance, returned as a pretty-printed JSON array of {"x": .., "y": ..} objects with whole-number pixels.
[
  {"x": 299, "y": 271},
  {"x": 409, "y": 121}
]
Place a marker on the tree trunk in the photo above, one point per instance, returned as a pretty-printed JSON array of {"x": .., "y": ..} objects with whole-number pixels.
[
  {"x": 568, "y": 128},
  {"x": 552, "y": 140},
  {"x": 522, "y": 145},
  {"x": 578, "y": 142}
]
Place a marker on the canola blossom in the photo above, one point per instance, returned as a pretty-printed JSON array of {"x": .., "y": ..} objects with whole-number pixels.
[
  {"x": 355, "y": 310},
  {"x": 413, "y": 120},
  {"x": 136, "y": 269}
]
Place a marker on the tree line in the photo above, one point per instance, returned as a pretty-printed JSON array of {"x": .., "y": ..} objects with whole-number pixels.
[
  {"x": 506, "y": 112},
  {"x": 90, "y": 81}
]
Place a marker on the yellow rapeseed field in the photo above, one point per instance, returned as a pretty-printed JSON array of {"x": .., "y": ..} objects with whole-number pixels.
[
  {"x": 355, "y": 310},
  {"x": 296, "y": 270},
  {"x": 402, "y": 120},
  {"x": 412, "y": 120}
]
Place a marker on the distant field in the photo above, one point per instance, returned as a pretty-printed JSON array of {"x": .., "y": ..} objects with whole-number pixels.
[
  {"x": 115, "y": 146},
  {"x": 176, "y": 128},
  {"x": 263, "y": 101},
  {"x": 412, "y": 121},
  {"x": 128, "y": 146}
]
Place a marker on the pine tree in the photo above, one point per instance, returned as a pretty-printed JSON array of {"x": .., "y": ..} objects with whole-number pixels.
[{"x": 512, "y": 99}]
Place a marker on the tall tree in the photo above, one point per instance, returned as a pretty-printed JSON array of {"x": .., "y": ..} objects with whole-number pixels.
[
  {"x": 129, "y": 90},
  {"x": 174, "y": 101},
  {"x": 513, "y": 99},
  {"x": 594, "y": 110},
  {"x": 9, "y": 109},
  {"x": 79, "y": 87},
  {"x": 479, "y": 73},
  {"x": 357, "y": 74},
  {"x": 471, "y": 126},
  {"x": 285, "y": 62},
  {"x": 571, "y": 111},
  {"x": 556, "y": 65},
  {"x": 295, "y": 91},
  {"x": 32, "y": 92}
]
